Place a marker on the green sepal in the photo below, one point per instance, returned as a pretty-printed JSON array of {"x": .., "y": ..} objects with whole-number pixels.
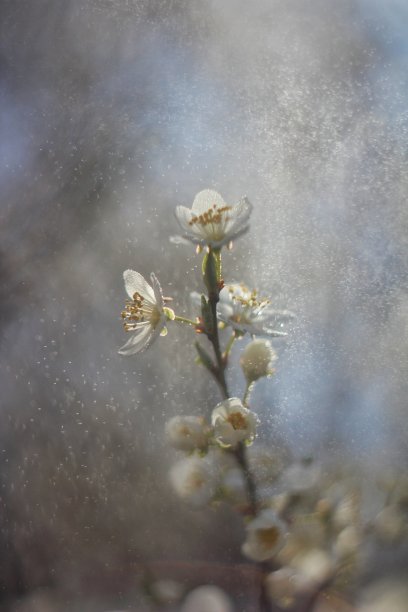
[
  {"x": 210, "y": 271},
  {"x": 206, "y": 316}
]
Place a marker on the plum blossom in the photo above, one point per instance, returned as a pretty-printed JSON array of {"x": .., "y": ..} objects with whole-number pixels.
[
  {"x": 194, "y": 480},
  {"x": 233, "y": 423},
  {"x": 188, "y": 433},
  {"x": 211, "y": 222},
  {"x": 246, "y": 312},
  {"x": 265, "y": 536},
  {"x": 144, "y": 314}
]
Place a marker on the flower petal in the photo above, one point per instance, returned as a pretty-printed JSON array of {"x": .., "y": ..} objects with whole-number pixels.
[
  {"x": 205, "y": 200},
  {"x": 239, "y": 218},
  {"x": 135, "y": 283},
  {"x": 157, "y": 290},
  {"x": 138, "y": 342},
  {"x": 184, "y": 216}
]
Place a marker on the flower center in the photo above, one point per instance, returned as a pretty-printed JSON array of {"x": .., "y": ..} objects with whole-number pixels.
[
  {"x": 212, "y": 219},
  {"x": 136, "y": 311},
  {"x": 237, "y": 420},
  {"x": 268, "y": 538},
  {"x": 248, "y": 299},
  {"x": 195, "y": 482}
]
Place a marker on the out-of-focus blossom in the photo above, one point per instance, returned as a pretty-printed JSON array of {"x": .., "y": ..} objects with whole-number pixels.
[
  {"x": 314, "y": 567},
  {"x": 347, "y": 542},
  {"x": 346, "y": 511},
  {"x": 308, "y": 572},
  {"x": 188, "y": 433},
  {"x": 144, "y": 314},
  {"x": 257, "y": 359},
  {"x": 390, "y": 524},
  {"x": 265, "y": 536},
  {"x": 384, "y": 596},
  {"x": 211, "y": 221},
  {"x": 282, "y": 587},
  {"x": 207, "y": 598},
  {"x": 246, "y": 312},
  {"x": 166, "y": 592},
  {"x": 233, "y": 423},
  {"x": 194, "y": 480}
]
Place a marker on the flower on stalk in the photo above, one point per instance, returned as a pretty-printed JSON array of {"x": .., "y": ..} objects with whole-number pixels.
[
  {"x": 188, "y": 433},
  {"x": 144, "y": 314},
  {"x": 265, "y": 536},
  {"x": 257, "y": 359},
  {"x": 233, "y": 423},
  {"x": 194, "y": 480},
  {"x": 211, "y": 222},
  {"x": 246, "y": 312}
]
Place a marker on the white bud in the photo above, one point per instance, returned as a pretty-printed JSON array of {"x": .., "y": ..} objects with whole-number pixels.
[{"x": 257, "y": 359}]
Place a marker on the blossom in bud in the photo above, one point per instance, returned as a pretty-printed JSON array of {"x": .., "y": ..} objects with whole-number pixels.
[
  {"x": 265, "y": 536},
  {"x": 233, "y": 423},
  {"x": 257, "y": 359},
  {"x": 211, "y": 222},
  {"x": 188, "y": 433}
]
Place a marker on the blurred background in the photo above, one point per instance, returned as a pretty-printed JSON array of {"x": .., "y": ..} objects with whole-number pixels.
[{"x": 112, "y": 112}]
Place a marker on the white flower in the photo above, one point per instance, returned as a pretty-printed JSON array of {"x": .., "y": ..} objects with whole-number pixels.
[
  {"x": 265, "y": 536},
  {"x": 257, "y": 359},
  {"x": 233, "y": 423},
  {"x": 211, "y": 221},
  {"x": 246, "y": 312},
  {"x": 194, "y": 480},
  {"x": 144, "y": 313},
  {"x": 282, "y": 587},
  {"x": 207, "y": 598},
  {"x": 188, "y": 433},
  {"x": 308, "y": 572}
]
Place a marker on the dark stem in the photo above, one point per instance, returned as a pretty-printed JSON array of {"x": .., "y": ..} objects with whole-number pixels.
[{"x": 240, "y": 451}]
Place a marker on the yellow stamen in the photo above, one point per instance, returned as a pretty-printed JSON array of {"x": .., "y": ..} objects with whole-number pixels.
[{"x": 212, "y": 216}]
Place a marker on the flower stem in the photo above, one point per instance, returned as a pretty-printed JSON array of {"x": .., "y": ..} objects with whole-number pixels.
[
  {"x": 185, "y": 320},
  {"x": 248, "y": 390},
  {"x": 219, "y": 374},
  {"x": 229, "y": 346}
]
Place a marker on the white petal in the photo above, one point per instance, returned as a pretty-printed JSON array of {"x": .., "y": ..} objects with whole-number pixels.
[
  {"x": 179, "y": 240},
  {"x": 184, "y": 216},
  {"x": 135, "y": 283},
  {"x": 194, "y": 232},
  {"x": 239, "y": 218},
  {"x": 205, "y": 200},
  {"x": 138, "y": 342},
  {"x": 242, "y": 211},
  {"x": 158, "y": 294}
]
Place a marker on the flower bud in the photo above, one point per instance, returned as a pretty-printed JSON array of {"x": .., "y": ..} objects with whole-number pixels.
[{"x": 256, "y": 360}]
